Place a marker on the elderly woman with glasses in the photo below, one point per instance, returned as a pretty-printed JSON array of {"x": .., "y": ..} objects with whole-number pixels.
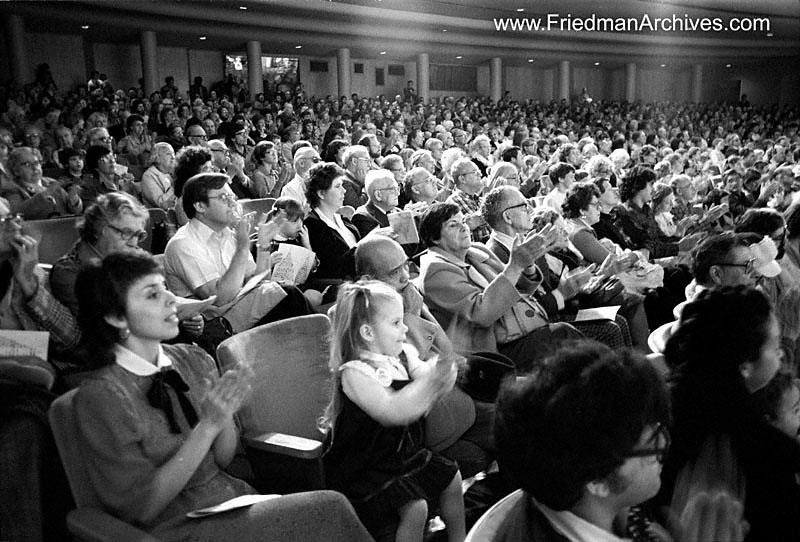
[
  {"x": 157, "y": 186},
  {"x": 31, "y": 194}
]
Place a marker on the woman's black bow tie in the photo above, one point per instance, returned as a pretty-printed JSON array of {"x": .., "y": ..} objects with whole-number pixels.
[{"x": 159, "y": 398}]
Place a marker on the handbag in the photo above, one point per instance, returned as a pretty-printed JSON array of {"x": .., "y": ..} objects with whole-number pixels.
[
  {"x": 523, "y": 317},
  {"x": 483, "y": 375}
]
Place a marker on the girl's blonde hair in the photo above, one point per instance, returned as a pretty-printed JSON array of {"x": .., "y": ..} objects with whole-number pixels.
[{"x": 357, "y": 304}]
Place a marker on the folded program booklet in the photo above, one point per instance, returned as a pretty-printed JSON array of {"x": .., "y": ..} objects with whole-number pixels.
[{"x": 233, "y": 504}]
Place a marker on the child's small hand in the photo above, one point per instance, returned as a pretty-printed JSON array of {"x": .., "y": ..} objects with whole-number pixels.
[{"x": 444, "y": 373}]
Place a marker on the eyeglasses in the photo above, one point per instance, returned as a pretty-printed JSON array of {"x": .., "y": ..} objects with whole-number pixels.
[
  {"x": 31, "y": 164},
  {"x": 595, "y": 204},
  {"x": 517, "y": 206},
  {"x": 430, "y": 180},
  {"x": 227, "y": 199},
  {"x": 748, "y": 265},
  {"x": 224, "y": 151},
  {"x": 660, "y": 434},
  {"x": 127, "y": 235},
  {"x": 395, "y": 272},
  {"x": 201, "y": 136},
  {"x": 393, "y": 188},
  {"x": 16, "y": 220}
]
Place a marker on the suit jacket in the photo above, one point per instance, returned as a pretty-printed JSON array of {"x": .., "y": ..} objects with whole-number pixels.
[
  {"x": 546, "y": 278},
  {"x": 335, "y": 257},
  {"x": 464, "y": 303},
  {"x": 354, "y": 195},
  {"x": 368, "y": 217}
]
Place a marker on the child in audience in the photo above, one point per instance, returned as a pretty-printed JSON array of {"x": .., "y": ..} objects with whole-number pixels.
[
  {"x": 779, "y": 401},
  {"x": 381, "y": 392},
  {"x": 291, "y": 230}
]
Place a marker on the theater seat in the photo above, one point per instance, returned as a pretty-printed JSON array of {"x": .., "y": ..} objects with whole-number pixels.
[
  {"x": 57, "y": 235},
  {"x": 492, "y": 524},
  {"x": 88, "y": 523}
]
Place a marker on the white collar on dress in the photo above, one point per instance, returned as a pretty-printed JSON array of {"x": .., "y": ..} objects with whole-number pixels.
[{"x": 134, "y": 363}]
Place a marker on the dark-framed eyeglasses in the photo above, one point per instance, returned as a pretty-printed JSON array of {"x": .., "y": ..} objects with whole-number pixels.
[
  {"x": 201, "y": 136},
  {"x": 660, "y": 435},
  {"x": 395, "y": 272},
  {"x": 747, "y": 266},
  {"x": 16, "y": 220},
  {"x": 517, "y": 206},
  {"x": 127, "y": 235}
]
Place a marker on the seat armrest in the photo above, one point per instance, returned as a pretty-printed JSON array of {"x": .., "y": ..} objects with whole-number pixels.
[
  {"x": 95, "y": 525},
  {"x": 281, "y": 443}
]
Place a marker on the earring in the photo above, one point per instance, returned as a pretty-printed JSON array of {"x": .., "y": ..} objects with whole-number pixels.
[
  {"x": 124, "y": 334},
  {"x": 583, "y": 216}
]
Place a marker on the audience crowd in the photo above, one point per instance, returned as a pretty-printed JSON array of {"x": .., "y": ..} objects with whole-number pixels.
[{"x": 635, "y": 265}]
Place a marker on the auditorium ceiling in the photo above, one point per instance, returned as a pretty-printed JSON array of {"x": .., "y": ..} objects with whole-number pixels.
[{"x": 446, "y": 29}]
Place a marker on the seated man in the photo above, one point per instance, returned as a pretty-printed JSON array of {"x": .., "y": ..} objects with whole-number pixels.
[
  {"x": 206, "y": 257},
  {"x": 584, "y": 436},
  {"x": 421, "y": 189},
  {"x": 508, "y": 214},
  {"x": 457, "y": 427},
  {"x": 382, "y": 191}
]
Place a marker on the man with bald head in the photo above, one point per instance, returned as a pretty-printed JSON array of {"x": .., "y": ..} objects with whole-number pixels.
[
  {"x": 382, "y": 192},
  {"x": 304, "y": 158},
  {"x": 457, "y": 427}
]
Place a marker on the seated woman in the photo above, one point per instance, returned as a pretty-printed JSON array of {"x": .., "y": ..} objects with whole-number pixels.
[
  {"x": 155, "y": 423},
  {"x": 157, "y": 187},
  {"x": 663, "y": 202},
  {"x": 503, "y": 173},
  {"x": 265, "y": 177},
  {"x": 725, "y": 348},
  {"x": 30, "y": 194},
  {"x": 100, "y": 177},
  {"x": 138, "y": 144},
  {"x": 332, "y": 236},
  {"x": 475, "y": 297},
  {"x": 635, "y": 217}
]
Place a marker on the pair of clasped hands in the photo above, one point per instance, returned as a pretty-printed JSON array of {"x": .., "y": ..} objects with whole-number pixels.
[{"x": 585, "y": 279}]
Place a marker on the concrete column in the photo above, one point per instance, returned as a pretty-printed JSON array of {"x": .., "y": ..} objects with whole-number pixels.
[
  {"x": 17, "y": 52},
  {"x": 255, "y": 76},
  {"x": 548, "y": 82},
  {"x": 343, "y": 70},
  {"x": 563, "y": 80},
  {"x": 496, "y": 69},
  {"x": 630, "y": 82},
  {"x": 424, "y": 77},
  {"x": 149, "y": 49},
  {"x": 697, "y": 83}
]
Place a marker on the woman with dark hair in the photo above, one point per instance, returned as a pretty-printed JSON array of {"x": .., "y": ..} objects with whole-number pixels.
[
  {"x": 635, "y": 217},
  {"x": 136, "y": 146},
  {"x": 155, "y": 422},
  {"x": 334, "y": 151},
  {"x": 101, "y": 166},
  {"x": 332, "y": 235},
  {"x": 188, "y": 162},
  {"x": 265, "y": 177},
  {"x": 725, "y": 348}
]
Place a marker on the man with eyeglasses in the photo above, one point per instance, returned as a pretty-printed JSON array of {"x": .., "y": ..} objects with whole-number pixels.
[
  {"x": 221, "y": 158},
  {"x": 99, "y": 136},
  {"x": 382, "y": 191},
  {"x": 467, "y": 196},
  {"x": 304, "y": 158},
  {"x": 421, "y": 188},
  {"x": 584, "y": 436},
  {"x": 196, "y": 135},
  {"x": 457, "y": 427},
  {"x": 210, "y": 256},
  {"x": 357, "y": 163},
  {"x": 721, "y": 260}
]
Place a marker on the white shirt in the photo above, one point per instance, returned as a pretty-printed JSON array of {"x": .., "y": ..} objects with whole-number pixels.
[
  {"x": 157, "y": 189},
  {"x": 197, "y": 255},
  {"x": 338, "y": 224},
  {"x": 296, "y": 188},
  {"x": 555, "y": 199},
  {"x": 575, "y": 528}
]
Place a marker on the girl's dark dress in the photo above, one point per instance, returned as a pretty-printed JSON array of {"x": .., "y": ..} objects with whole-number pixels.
[{"x": 379, "y": 468}]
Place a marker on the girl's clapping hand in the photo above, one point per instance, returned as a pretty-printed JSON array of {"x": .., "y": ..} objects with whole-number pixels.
[{"x": 225, "y": 397}]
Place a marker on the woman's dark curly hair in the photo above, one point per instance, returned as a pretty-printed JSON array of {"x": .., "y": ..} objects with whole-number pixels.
[
  {"x": 578, "y": 199},
  {"x": 320, "y": 177},
  {"x": 188, "y": 163},
  {"x": 635, "y": 182},
  {"x": 721, "y": 329}
]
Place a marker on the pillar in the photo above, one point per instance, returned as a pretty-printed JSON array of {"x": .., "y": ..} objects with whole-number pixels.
[
  {"x": 563, "y": 80},
  {"x": 548, "y": 82},
  {"x": 255, "y": 76},
  {"x": 343, "y": 70},
  {"x": 149, "y": 49},
  {"x": 424, "y": 77},
  {"x": 496, "y": 69},
  {"x": 17, "y": 52},
  {"x": 630, "y": 82},
  {"x": 697, "y": 83}
]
